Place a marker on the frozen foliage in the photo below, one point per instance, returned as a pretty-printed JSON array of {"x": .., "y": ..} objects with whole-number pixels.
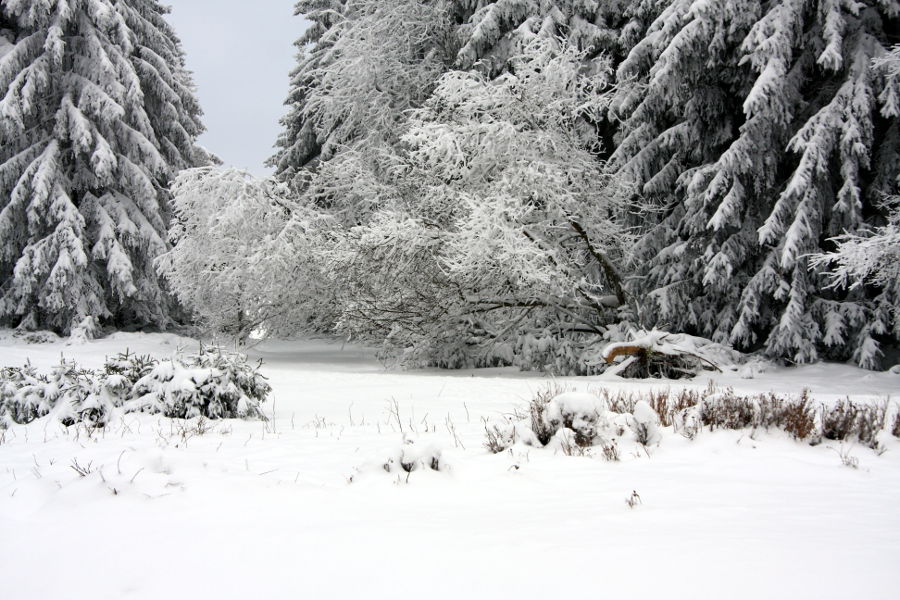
[
  {"x": 211, "y": 384},
  {"x": 241, "y": 255},
  {"x": 569, "y": 422},
  {"x": 501, "y": 227},
  {"x": 67, "y": 393},
  {"x": 494, "y": 32},
  {"x": 869, "y": 258},
  {"x": 585, "y": 414},
  {"x": 96, "y": 114}
]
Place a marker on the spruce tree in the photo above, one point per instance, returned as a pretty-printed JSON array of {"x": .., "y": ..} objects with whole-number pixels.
[
  {"x": 97, "y": 113},
  {"x": 495, "y": 31},
  {"x": 363, "y": 63},
  {"x": 298, "y": 144},
  {"x": 760, "y": 129}
]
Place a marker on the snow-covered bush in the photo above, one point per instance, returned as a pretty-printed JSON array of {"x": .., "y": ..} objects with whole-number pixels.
[
  {"x": 68, "y": 394},
  {"x": 572, "y": 421},
  {"x": 500, "y": 437},
  {"x": 74, "y": 393},
  {"x": 23, "y": 394},
  {"x": 120, "y": 374},
  {"x": 585, "y": 414},
  {"x": 847, "y": 420},
  {"x": 645, "y": 424},
  {"x": 567, "y": 421},
  {"x": 212, "y": 384}
]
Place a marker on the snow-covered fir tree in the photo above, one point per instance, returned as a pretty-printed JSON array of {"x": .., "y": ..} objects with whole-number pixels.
[
  {"x": 298, "y": 144},
  {"x": 363, "y": 63},
  {"x": 759, "y": 128},
  {"x": 97, "y": 113},
  {"x": 494, "y": 31}
]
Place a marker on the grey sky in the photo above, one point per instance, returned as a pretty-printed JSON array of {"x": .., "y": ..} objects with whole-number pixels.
[{"x": 241, "y": 54}]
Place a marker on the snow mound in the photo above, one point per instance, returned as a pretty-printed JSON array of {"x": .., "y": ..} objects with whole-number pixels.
[
  {"x": 659, "y": 353},
  {"x": 645, "y": 424},
  {"x": 584, "y": 413},
  {"x": 406, "y": 457}
]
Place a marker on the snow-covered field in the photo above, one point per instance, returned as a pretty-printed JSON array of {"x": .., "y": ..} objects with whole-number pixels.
[{"x": 301, "y": 506}]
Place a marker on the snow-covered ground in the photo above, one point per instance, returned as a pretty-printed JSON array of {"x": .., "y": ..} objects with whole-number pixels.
[{"x": 302, "y": 506}]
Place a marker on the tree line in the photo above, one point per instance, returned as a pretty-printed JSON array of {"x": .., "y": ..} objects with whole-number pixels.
[{"x": 468, "y": 182}]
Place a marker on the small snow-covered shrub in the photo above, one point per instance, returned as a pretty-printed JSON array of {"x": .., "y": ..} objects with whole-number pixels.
[
  {"x": 410, "y": 457},
  {"x": 610, "y": 450},
  {"x": 723, "y": 410},
  {"x": 36, "y": 337},
  {"x": 537, "y": 409},
  {"x": 245, "y": 378},
  {"x": 565, "y": 440},
  {"x": 796, "y": 417},
  {"x": 583, "y": 413},
  {"x": 497, "y": 439},
  {"x": 130, "y": 367},
  {"x": 567, "y": 421},
  {"x": 645, "y": 424},
  {"x": 510, "y": 432},
  {"x": 847, "y": 419},
  {"x": 67, "y": 393},
  {"x": 72, "y": 390},
  {"x": 212, "y": 384},
  {"x": 23, "y": 394}
]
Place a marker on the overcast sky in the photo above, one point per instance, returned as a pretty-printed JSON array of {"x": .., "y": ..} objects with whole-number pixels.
[{"x": 241, "y": 54}]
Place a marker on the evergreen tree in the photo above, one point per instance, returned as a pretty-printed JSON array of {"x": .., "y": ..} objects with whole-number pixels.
[
  {"x": 494, "y": 31},
  {"x": 298, "y": 144},
  {"x": 97, "y": 113},
  {"x": 366, "y": 62},
  {"x": 759, "y": 128}
]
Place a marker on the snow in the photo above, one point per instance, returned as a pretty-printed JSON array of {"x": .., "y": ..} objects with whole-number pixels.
[
  {"x": 5, "y": 46},
  {"x": 303, "y": 504}
]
